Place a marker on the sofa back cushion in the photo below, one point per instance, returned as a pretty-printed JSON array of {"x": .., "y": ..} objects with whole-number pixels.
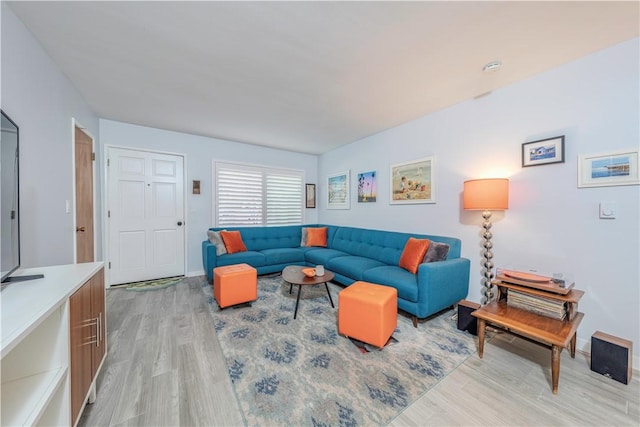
[
  {"x": 384, "y": 246},
  {"x": 259, "y": 238}
]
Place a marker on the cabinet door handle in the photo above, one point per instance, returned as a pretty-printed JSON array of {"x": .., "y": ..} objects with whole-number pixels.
[
  {"x": 99, "y": 329},
  {"x": 81, "y": 229}
]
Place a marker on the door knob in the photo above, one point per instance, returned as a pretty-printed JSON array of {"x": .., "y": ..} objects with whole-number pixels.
[
  {"x": 83, "y": 229},
  {"x": 179, "y": 223}
]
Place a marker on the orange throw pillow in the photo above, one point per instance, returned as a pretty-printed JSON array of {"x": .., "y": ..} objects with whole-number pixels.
[
  {"x": 413, "y": 254},
  {"x": 317, "y": 237},
  {"x": 233, "y": 241}
]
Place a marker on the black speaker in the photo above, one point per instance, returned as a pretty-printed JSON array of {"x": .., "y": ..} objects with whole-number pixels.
[
  {"x": 466, "y": 322},
  {"x": 611, "y": 356}
]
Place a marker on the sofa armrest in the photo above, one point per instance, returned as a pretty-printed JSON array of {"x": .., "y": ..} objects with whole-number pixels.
[
  {"x": 209, "y": 259},
  {"x": 444, "y": 282}
]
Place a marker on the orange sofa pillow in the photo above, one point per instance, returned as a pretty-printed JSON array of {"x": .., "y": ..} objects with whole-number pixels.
[
  {"x": 317, "y": 237},
  {"x": 413, "y": 254},
  {"x": 233, "y": 241}
]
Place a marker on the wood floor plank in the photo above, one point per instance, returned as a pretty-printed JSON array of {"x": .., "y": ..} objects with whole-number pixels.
[
  {"x": 137, "y": 386},
  {"x": 164, "y": 406},
  {"x": 110, "y": 386}
]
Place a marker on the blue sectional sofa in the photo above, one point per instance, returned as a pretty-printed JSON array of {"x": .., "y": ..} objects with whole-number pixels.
[{"x": 354, "y": 254}]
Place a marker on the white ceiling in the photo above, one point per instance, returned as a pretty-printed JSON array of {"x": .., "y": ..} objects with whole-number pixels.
[{"x": 308, "y": 76}]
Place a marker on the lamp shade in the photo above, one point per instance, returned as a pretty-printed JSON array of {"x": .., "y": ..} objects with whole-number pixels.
[{"x": 491, "y": 194}]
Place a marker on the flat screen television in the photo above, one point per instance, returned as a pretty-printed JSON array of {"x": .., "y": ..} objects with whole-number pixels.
[
  {"x": 9, "y": 199},
  {"x": 10, "y": 202}
]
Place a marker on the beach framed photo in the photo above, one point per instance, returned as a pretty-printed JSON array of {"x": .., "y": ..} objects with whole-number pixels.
[
  {"x": 338, "y": 190},
  {"x": 367, "y": 187},
  {"x": 543, "y": 152},
  {"x": 412, "y": 182},
  {"x": 608, "y": 169}
]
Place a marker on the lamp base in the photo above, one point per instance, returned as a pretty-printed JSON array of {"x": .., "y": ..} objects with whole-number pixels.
[{"x": 488, "y": 257}]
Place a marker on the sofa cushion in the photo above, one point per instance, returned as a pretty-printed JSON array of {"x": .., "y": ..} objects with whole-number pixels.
[
  {"x": 216, "y": 239},
  {"x": 253, "y": 258},
  {"x": 258, "y": 238},
  {"x": 317, "y": 237},
  {"x": 352, "y": 266},
  {"x": 390, "y": 275},
  {"x": 282, "y": 255},
  {"x": 436, "y": 252},
  {"x": 413, "y": 254},
  {"x": 315, "y": 256},
  {"x": 233, "y": 241},
  {"x": 383, "y": 246}
]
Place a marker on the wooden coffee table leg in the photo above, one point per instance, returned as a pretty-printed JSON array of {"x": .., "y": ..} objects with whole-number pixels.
[
  {"x": 481, "y": 326},
  {"x": 329, "y": 293},
  {"x": 555, "y": 367},
  {"x": 297, "y": 301}
]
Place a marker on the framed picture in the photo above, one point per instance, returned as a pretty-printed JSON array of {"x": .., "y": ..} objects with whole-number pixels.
[
  {"x": 412, "y": 182},
  {"x": 543, "y": 152},
  {"x": 615, "y": 168},
  {"x": 367, "y": 188},
  {"x": 310, "y": 196},
  {"x": 338, "y": 190}
]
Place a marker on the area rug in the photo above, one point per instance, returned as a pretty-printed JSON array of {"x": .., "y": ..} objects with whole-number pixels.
[
  {"x": 152, "y": 285},
  {"x": 302, "y": 372}
]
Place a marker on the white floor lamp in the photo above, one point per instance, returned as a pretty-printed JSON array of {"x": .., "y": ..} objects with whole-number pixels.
[{"x": 490, "y": 194}]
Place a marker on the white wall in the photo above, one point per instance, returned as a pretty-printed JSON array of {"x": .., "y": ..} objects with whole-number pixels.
[
  {"x": 42, "y": 102},
  {"x": 200, "y": 152},
  {"x": 551, "y": 225}
]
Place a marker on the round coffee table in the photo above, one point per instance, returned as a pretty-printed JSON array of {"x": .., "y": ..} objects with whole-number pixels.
[{"x": 294, "y": 276}]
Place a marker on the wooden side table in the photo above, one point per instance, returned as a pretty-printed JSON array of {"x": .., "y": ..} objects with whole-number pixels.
[{"x": 553, "y": 333}]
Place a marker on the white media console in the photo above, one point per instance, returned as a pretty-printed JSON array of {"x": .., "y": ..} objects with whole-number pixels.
[{"x": 53, "y": 344}]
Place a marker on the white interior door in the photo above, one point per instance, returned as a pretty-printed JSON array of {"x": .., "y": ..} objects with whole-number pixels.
[{"x": 145, "y": 214}]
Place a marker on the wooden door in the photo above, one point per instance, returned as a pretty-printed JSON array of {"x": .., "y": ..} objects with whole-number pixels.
[
  {"x": 84, "y": 196},
  {"x": 146, "y": 215}
]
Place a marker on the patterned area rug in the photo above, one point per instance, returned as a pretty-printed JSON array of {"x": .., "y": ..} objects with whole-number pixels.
[
  {"x": 302, "y": 372},
  {"x": 152, "y": 285}
]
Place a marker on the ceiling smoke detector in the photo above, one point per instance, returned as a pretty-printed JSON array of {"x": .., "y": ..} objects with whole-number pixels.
[{"x": 492, "y": 66}]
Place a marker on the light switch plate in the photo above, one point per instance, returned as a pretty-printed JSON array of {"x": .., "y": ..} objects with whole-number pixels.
[{"x": 608, "y": 210}]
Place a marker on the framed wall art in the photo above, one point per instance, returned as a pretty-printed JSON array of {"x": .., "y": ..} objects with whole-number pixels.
[
  {"x": 310, "y": 196},
  {"x": 543, "y": 152},
  {"x": 608, "y": 169},
  {"x": 367, "y": 188},
  {"x": 412, "y": 182},
  {"x": 338, "y": 190}
]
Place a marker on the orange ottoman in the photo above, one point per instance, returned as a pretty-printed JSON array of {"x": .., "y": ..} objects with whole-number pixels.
[
  {"x": 368, "y": 312},
  {"x": 235, "y": 284}
]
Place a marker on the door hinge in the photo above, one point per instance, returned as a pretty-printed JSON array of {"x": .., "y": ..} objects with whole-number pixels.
[
  {"x": 109, "y": 265},
  {"x": 108, "y": 162},
  {"x": 93, "y": 156},
  {"x": 108, "y": 214}
]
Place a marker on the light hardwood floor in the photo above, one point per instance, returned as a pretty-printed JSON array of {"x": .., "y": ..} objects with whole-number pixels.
[{"x": 165, "y": 367}]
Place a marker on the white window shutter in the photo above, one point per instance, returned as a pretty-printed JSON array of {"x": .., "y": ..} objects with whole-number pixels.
[
  {"x": 284, "y": 199},
  {"x": 239, "y": 197},
  {"x": 253, "y": 195}
]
